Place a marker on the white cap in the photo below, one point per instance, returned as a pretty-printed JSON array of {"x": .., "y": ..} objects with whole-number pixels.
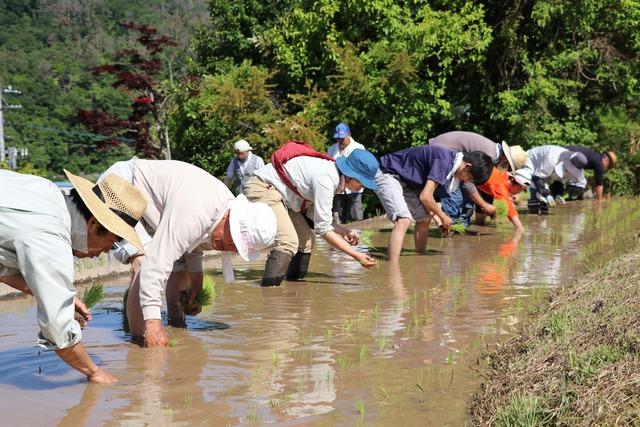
[
  {"x": 242, "y": 146},
  {"x": 253, "y": 227},
  {"x": 522, "y": 177}
]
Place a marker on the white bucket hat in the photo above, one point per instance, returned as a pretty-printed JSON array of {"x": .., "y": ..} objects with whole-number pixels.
[
  {"x": 242, "y": 146},
  {"x": 253, "y": 227}
]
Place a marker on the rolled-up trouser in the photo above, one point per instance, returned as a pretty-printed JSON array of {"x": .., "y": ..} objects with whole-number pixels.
[
  {"x": 293, "y": 234},
  {"x": 457, "y": 204},
  {"x": 398, "y": 200}
]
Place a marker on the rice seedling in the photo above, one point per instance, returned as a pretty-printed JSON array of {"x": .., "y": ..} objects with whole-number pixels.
[
  {"x": 93, "y": 295},
  {"x": 458, "y": 227},
  {"x": 376, "y": 311},
  {"x": 360, "y": 407},
  {"x": 173, "y": 342},
  {"x": 305, "y": 338},
  {"x": 501, "y": 208},
  {"x": 274, "y": 357},
  {"x": 168, "y": 412},
  {"x": 274, "y": 403},
  {"x": 343, "y": 362},
  {"x": 364, "y": 350},
  {"x": 365, "y": 238},
  {"x": 328, "y": 334},
  {"x": 188, "y": 400},
  {"x": 383, "y": 392},
  {"x": 252, "y": 415},
  {"x": 382, "y": 342},
  {"x": 204, "y": 298}
]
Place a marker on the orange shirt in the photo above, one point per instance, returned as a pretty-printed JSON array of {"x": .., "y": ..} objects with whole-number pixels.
[{"x": 497, "y": 186}]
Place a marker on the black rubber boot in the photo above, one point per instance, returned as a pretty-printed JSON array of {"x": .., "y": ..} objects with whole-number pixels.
[
  {"x": 275, "y": 268},
  {"x": 299, "y": 266},
  {"x": 534, "y": 206},
  {"x": 544, "y": 208}
]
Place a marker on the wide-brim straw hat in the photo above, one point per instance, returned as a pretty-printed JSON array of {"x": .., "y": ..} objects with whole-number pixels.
[
  {"x": 516, "y": 156},
  {"x": 613, "y": 159},
  {"x": 115, "y": 203}
]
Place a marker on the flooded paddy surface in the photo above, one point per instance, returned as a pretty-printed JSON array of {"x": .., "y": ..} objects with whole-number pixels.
[{"x": 391, "y": 346}]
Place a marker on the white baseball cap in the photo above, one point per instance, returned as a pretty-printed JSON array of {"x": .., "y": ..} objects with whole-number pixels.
[
  {"x": 242, "y": 146},
  {"x": 253, "y": 227},
  {"x": 522, "y": 177}
]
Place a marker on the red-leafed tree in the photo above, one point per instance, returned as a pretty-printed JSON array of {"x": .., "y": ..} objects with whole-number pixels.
[{"x": 135, "y": 72}]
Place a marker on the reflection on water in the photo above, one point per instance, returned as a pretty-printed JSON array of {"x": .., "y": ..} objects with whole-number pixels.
[{"x": 348, "y": 346}]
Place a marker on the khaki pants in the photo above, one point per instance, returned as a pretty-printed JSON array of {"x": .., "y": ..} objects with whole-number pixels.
[{"x": 294, "y": 234}]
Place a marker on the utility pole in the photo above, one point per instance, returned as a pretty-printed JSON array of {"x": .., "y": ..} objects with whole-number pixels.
[{"x": 8, "y": 90}]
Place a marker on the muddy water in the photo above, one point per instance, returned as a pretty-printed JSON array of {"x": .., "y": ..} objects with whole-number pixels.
[{"x": 393, "y": 346}]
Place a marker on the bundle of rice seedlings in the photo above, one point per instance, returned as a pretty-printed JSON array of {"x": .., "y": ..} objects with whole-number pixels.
[
  {"x": 93, "y": 295},
  {"x": 365, "y": 238},
  {"x": 203, "y": 299},
  {"x": 501, "y": 208},
  {"x": 458, "y": 227}
]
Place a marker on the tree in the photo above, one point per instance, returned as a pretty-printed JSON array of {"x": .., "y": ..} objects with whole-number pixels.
[{"x": 135, "y": 73}]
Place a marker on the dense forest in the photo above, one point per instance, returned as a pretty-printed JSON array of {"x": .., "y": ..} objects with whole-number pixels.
[{"x": 399, "y": 72}]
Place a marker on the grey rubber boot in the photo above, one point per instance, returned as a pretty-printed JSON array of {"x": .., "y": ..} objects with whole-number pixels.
[
  {"x": 275, "y": 268},
  {"x": 299, "y": 266}
]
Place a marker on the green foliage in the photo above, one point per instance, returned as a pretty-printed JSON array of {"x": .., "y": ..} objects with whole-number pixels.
[
  {"x": 218, "y": 110},
  {"x": 93, "y": 295},
  {"x": 47, "y": 50}
]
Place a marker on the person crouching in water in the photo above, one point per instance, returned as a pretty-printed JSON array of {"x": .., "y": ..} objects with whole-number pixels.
[
  {"x": 41, "y": 229},
  {"x": 408, "y": 180},
  {"x": 189, "y": 211},
  {"x": 502, "y": 186},
  {"x": 298, "y": 178}
]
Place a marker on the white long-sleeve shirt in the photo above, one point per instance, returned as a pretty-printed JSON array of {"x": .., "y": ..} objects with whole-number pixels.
[
  {"x": 336, "y": 151},
  {"x": 35, "y": 241},
  {"x": 315, "y": 179},
  {"x": 185, "y": 203},
  {"x": 545, "y": 162}
]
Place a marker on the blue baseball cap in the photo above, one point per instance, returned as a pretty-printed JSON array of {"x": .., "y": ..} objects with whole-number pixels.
[
  {"x": 342, "y": 131},
  {"x": 361, "y": 165}
]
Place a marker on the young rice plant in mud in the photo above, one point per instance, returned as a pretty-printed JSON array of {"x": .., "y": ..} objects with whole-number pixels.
[{"x": 360, "y": 408}]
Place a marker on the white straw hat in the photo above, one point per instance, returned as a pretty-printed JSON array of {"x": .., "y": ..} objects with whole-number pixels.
[
  {"x": 242, "y": 146},
  {"x": 253, "y": 227},
  {"x": 116, "y": 204}
]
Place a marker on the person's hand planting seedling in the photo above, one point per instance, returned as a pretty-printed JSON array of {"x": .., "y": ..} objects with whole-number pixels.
[{"x": 204, "y": 298}]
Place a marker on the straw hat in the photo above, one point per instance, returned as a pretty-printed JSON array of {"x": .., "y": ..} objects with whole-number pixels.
[
  {"x": 613, "y": 159},
  {"x": 515, "y": 155},
  {"x": 115, "y": 203}
]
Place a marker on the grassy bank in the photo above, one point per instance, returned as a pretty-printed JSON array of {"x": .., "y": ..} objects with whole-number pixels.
[{"x": 576, "y": 360}]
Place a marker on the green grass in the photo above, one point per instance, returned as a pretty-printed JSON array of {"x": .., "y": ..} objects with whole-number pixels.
[
  {"x": 522, "y": 411},
  {"x": 93, "y": 295}
]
